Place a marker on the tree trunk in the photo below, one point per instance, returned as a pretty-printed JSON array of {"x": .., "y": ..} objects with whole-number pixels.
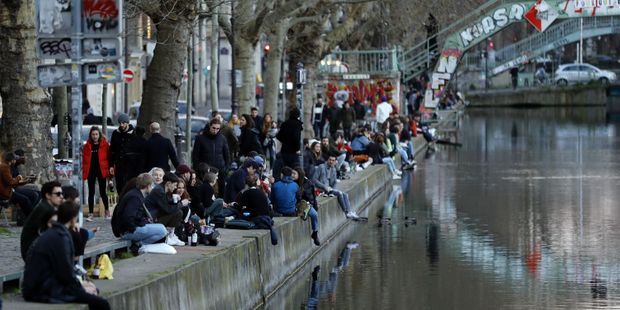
[
  {"x": 309, "y": 95},
  {"x": 60, "y": 100},
  {"x": 244, "y": 61},
  {"x": 215, "y": 51},
  {"x": 272, "y": 76},
  {"x": 164, "y": 74},
  {"x": 27, "y": 112}
]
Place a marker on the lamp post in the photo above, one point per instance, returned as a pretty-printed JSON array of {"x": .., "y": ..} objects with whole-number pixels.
[{"x": 300, "y": 76}]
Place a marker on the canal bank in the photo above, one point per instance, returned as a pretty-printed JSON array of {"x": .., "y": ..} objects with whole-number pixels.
[
  {"x": 579, "y": 95},
  {"x": 245, "y": 269}
]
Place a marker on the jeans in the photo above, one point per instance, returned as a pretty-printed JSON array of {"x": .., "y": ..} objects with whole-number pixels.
[
  {"x": 343, "y": 200},
  {"x": 341, "y": 160},
  {"x": 147, "y": 234},
  {"x": 404, "y": 158},
  {"x": 318, "y": 130},
  {"x": 314, "y": 219},
  {"x": 390, "y": 163}
]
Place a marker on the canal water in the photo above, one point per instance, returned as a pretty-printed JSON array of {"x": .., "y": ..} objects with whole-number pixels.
[{"x": 525, "y": 215}]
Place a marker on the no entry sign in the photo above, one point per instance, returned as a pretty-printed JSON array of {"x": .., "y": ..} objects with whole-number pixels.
[
  {"x": 541, "y": 15},
  {"x": 128, "y": 75}
]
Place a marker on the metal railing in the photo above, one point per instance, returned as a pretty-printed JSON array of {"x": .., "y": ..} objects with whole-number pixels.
[
  {"x": 557, "y": 35},
  {"x": 360, "y": 62}
]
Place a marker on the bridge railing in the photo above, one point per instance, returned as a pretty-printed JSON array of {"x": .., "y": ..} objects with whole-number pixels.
[
  {"x": 553, "y": 37},
  {"x": 360, "y": 62}
]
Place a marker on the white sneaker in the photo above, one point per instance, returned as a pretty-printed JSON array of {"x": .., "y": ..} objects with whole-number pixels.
[
  {"x": 352, "y": 215},
  {"x": 396, "y": 177},
  {"x": 398, "y": 172},
  {"x": 359, "y": 168},
  {"x": 173, "y": 240},
  {"x": 366, "y": 164},
  {"x": 90, "y": 218}
]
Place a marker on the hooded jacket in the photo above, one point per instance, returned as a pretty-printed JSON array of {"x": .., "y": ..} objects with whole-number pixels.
[
  {"x": 290, "y": 133},
  {"x": 284, "y": 195},
  {"x": 48, "y": 274}
]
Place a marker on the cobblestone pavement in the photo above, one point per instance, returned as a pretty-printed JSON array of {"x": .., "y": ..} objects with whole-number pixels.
[{"x": 10, "y": 255}]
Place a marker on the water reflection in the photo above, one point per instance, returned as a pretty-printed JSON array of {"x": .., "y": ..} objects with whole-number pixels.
[
  {"x": 327, "y": 289},
  {"x": 523, "y": 216}
]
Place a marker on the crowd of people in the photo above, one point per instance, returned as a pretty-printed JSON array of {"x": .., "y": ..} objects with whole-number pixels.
[{"x": 244, "y": 172}]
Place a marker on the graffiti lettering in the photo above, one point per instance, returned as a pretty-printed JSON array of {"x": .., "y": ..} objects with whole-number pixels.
[
  {"x": 489, "y": 24},
  {"x": 101, "y": 15},
  {"x": 448, "y": 62},
  {"x": 55, "y": 47}
]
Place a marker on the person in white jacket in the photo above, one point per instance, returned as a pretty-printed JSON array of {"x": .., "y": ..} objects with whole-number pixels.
[{"x": 384, "y": 109}]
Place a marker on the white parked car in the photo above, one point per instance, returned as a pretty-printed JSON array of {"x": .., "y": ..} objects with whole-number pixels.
[{"x": 582, "y": 73}]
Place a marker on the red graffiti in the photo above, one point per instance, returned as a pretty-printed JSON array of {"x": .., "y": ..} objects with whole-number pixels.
[
  {"x": 101, "y": 14},
  {"x": 451, "y": 52}
]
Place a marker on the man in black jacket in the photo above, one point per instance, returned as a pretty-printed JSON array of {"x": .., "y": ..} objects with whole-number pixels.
[
  {"x": 290, "y": 136},
  {"x": 165, "y": 206},
  {"x": 211, "y": 148},
  {"x": 135, "y": 223},
  {"x": 159, "y": 149},
  {"x": 118, "y": 150},
  {"x": 49, "y": 275}
]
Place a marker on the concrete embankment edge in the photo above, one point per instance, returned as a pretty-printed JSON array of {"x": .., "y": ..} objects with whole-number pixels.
[
  {"x": 241, "y": 272},
  {"x": 578, "y": 96}
]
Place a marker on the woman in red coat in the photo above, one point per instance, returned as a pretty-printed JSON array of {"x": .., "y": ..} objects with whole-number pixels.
[{"x": 95, "y": 168}]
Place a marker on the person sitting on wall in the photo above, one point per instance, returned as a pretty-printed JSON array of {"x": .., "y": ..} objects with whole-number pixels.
[
  {"x": 49, "y": 274},
  {"x": 254, "y": 204},
  {"x": 325, "y": 179},
  {"x": 165, "y": 206},
  {"x": 284, "y": 194},
  {"x": 135, "y": 222},
  {"x": 307, "y": 195}
]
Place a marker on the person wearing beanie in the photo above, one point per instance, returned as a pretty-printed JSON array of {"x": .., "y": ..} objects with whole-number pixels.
[{"x": 119, "y": 145}]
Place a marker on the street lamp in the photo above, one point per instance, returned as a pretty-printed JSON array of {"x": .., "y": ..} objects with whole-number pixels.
[{"x": 300, "y": 77}]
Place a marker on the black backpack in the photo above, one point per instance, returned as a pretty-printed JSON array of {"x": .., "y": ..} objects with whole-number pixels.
[{"x": 116, "y": 219}]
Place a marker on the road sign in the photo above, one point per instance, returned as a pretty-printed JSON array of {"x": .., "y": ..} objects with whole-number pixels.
[
  {"x": 128, "y": 75},
  {"x": 541, "y": 15}
]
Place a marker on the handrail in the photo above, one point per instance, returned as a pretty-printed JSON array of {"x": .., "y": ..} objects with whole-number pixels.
[{"x": 538, "y": 41}]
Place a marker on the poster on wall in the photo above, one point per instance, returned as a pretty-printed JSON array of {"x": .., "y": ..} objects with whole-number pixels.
[
  {"x": 101, "y": 17},
  {"x": 54, "y": 18},
  {"x": 101, "y": 72}
]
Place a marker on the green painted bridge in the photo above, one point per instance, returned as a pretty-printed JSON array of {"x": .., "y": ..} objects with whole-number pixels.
[{"x": 453, "y": 41}]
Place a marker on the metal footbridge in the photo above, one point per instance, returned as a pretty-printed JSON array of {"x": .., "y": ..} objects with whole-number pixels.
[{"x": 560, "y": 34}]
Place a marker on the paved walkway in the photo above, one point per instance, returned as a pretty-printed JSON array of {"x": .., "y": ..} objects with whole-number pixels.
[{"x": 10, "y": 255}]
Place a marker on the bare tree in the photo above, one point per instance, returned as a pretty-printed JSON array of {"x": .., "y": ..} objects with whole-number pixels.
[
  {"x": 174, "y": 20},
  {"x": 27, "y": 111},
  {"x": 331, "y": 23}
]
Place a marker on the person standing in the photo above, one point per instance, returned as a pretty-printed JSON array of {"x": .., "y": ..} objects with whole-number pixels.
[
  {"x": 211, "y": 148},
  {"x": 384, "y": 109},
  {"x": 317, "y": 117},
  {"x": 360, "y": 113},
  {"x": 267, "y": 136},
  {"x": 290, "y": 137},
  {"x": 159, "y": 149},
  {"x": 248, "y": 140},
  {"x": 95, "y": 161},
  {"x": 347, "y": 118},
  {"x": 119, "y": 143},
  {"x": 258, "y": 121}
]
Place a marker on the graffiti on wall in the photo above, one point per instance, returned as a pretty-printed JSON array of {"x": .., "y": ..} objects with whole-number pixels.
[
  {"x": 101, "y": 15},
  {"x": 448, "y": 61},
  {"x": 55, "y": 48},
  {"x": 491, "y": 23}
]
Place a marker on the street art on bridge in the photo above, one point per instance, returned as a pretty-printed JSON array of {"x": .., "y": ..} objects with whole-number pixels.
[{"x": 498, "y": 18}]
